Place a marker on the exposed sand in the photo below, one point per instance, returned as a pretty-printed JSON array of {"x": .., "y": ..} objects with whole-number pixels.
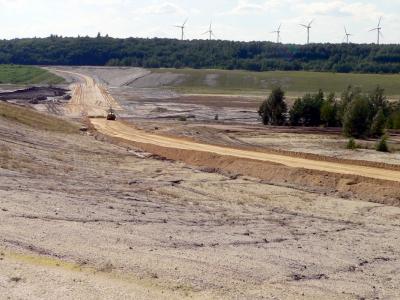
[
  {"x": 84, "y": 219},
  {"x": 93, "y": 217},
  {"x": 124, "y": 131}
]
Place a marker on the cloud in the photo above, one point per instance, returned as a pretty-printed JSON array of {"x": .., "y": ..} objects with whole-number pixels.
[
  {"x": 356, "y": 10},
  {"x": 250, "y": 7},
  {"x": 165, "y": 8}
]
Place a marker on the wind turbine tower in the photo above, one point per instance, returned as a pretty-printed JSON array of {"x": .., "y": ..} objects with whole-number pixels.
[
  {"x": 378, "y": 30},
  {"x": 182, "y": 27},
  {"x": 308, "y": 27},
  {"x": 210, "y": 32},
  {"x": 278, "y": 34},
  {"x": 347, "y": 35}
]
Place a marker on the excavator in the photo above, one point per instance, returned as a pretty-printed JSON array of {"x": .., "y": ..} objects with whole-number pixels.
[{"x": 111, "y": 116}]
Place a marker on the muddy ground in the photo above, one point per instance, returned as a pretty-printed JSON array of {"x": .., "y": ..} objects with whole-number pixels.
[{"x": 82, "y": 218}]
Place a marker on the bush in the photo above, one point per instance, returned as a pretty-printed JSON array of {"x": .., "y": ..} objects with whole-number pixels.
[
  {"x": 329, "y": 112},
  {"x": 356, "y": 119},
  {"x": 182, "y": 118},
  {"x": 378, "y": 124},
  {"x": 394, "y": 121},
  {"x": 378, "y": 101},
  {"x": 346, "y": 98},
  {"x": 382, "y": 145},
  {"x": 273, "y": 110},
  {"x": 306, "y": 111},
  {"x": 351, "y": 144}
]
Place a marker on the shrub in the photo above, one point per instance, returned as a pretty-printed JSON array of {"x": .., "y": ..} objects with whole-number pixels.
[
  {"x": 378, "y": 101},
  {"x": 329, "y": 112},
  {"x": 351, "y": 144},
  {"x": 182, "y": 118},
  {"x": 382, "y": 145},
  {"x": 273, "y": 110},
  {"x": 378, "y": 124},
  {"x": 346, "y": 98},
  {"x": 396, "y": 120},
  {"x": 356, "y": 119},
  {"x": 307, "y": 110}
]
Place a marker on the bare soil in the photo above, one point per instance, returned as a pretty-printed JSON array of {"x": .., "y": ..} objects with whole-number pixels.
[
  {"x": 88, "y": 219},
  {"x": 88, "y": 216},
  {"x": 33, "y": 93}
]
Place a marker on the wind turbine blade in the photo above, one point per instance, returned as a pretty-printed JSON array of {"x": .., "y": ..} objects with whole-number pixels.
[
  {"x": 380, "y": 20},
  {"x": 345, "y": 30},
  {"x": 373, "y": 29},
  {"x": 279, "y": 28},
  {"x": 305, "y": 26},
  {"x": 312, "y": 21},
  {"x": 206, "y": 32},
  {"x": 185, "y": 22}
]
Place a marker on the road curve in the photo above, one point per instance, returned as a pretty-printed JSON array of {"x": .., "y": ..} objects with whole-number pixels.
[
  {"x": 124, "y": 131},
  {"x": 92, "y": 99}
]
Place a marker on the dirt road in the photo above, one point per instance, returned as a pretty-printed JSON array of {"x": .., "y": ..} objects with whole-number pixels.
[
  {"x": 122, "y": 130},
  {"x": 92, "y": 99},
  {"x": 89, "y": 98}
]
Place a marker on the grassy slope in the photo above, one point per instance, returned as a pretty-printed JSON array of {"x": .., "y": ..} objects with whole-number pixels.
[
  {"x": 27, "y": 75},
  {"x": 35, "y": 119},
  {"x": 236, "y": 82}
]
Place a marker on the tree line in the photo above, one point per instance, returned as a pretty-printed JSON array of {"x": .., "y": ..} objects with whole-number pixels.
[
  {"x": 170, "y": 53},
  {"x": 360, "y": 114}
]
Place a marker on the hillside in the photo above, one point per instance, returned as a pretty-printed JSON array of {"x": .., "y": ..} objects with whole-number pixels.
[
  {"x": 294, "y": 82},
  {"x": 168, "y": 53},
  {"x": 11, "y": 74}
]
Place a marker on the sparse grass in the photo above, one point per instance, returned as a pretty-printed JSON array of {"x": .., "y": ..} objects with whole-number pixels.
[
  {"x": 382, "y": 145},
  {"x": 351, "y": 144},
  {"x": 35, "y": 119},
  {"x": 15, "y": 279},
  {"x": 182, "y": 118},
  {"x": 293, "y": 82},
  {"x": 14, "y": 74}
]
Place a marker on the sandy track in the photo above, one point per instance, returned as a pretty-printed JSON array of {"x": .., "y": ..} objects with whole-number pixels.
[
  {"x": 89, "y": 98},
  {"x": 122, "y": 130},
  {"x": 92, "y": 99}
]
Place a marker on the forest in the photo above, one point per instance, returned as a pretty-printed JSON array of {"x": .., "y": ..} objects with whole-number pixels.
[{"x": 201, "y": 54}]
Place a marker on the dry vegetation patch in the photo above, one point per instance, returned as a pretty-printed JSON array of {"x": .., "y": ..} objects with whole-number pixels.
[{"x": 35, "y": 119}]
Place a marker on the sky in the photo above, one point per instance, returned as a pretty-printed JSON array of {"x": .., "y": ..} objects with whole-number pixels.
[{"x": 243, "y": 20}]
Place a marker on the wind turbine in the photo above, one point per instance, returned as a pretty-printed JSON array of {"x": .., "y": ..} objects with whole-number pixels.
[
  {"x": 308, "y": 27},
  {"x": 278, "y": 34},
  {"x": 210, "y": 32},
  {"x": 182, "y": 27},
  {"x": 347, "y": 35},
  {"x": 378, "y": 30}
]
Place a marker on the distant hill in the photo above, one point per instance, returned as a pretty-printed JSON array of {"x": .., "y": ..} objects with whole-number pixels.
[{"x": 199, "y": 54}]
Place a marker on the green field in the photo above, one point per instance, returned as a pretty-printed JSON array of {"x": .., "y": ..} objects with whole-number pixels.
[
  {"x": 13, "y": 74},
  {"x": 238, "y": 82}
]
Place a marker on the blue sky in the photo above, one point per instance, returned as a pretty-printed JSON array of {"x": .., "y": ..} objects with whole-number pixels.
[{"x": 232, "y": 19}]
